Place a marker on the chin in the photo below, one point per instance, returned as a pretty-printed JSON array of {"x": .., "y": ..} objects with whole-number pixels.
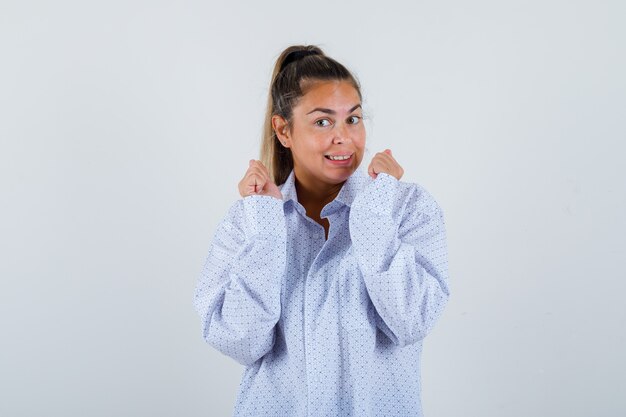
[{"x": 340, "y": 174}]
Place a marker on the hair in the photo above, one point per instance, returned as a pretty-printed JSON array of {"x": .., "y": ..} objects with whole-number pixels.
[{"x": 296, "y": 69}]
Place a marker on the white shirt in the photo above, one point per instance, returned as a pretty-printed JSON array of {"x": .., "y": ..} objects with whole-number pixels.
[{"x": 327, "y": 327}]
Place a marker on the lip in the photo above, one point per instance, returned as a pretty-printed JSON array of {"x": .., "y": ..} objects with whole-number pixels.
[{"x": 340, "y": 163}]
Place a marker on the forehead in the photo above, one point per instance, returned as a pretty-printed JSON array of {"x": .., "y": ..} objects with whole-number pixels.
[{"x": 337, "y": 95}]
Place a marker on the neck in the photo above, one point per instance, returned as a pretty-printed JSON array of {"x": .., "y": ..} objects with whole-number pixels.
[{"x": 314, "y": 193}]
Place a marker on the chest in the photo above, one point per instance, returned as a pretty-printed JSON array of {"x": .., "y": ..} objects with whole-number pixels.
[
  {"x": 322, "y": 279},
  {"x": 314, "y": 242}
]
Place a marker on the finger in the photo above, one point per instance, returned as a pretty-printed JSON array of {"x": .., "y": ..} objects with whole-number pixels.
[
  {"x": 383, "y": 163},
  {"x": 370, "y": 170},
  {"x": 387, "y": 160},
  {"x": 256, "y": 170},
  {"x": 259, "y": 183},
  {"x": 246, "y": 190},
  {"x": 379, "y": 156},
  {"x": 264, "y": 169},
  {"x": 259, "y": 186},
  {"x": 253, "y": 164},
  {"x": 253, "y": 170},
  {"x": 380, "y": 159},
  {"x": 254, "y": 179},
  {"x": 259, "y": 167},
  {"x": 250, "y": 181},
  {"x": 390, "y": 154}
]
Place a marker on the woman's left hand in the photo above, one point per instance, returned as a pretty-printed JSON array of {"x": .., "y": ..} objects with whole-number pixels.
[{"x": 385, "y": 162}]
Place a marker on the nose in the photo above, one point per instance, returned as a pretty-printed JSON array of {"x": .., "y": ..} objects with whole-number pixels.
[{"x": 341, "y": 133}]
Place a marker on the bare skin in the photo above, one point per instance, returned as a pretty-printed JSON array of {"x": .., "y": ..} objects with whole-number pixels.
[{"x": 326, "y": 120}]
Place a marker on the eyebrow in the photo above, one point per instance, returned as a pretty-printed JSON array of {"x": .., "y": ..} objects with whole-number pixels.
[{"x": 329, "y": 111}]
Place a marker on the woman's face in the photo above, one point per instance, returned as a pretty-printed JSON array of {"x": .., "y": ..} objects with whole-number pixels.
[{"x": 328, "y": 120}]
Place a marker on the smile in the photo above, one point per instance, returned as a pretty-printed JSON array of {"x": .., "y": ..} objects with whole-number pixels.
[{"x": 338, "y": 157}]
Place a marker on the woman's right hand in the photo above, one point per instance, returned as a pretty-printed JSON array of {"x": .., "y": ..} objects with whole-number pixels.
[{"x": 256, "y": 181}]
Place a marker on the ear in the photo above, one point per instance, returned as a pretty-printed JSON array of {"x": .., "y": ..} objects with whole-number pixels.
[{"x": 279, "y": 124}]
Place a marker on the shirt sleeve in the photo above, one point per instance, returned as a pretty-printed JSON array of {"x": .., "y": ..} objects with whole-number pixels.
[
  {"x": 239, "y": 289},
  {"x": 399, "y": 240}
]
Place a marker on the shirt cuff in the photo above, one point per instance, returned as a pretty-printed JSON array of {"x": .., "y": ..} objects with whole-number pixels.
[
  {"x": 264, "y": 217},
  {"x": 381, "y": 194}
]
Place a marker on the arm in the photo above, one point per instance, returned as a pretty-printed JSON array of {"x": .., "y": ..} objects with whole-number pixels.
[
  {"x": 239, "y": 288},
  {"x": 401, "y": 250}
]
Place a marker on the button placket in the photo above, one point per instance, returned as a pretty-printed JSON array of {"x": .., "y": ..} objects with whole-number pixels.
[{"x": 319, "y": 241}]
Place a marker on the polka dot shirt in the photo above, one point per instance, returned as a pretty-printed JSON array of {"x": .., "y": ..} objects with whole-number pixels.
[{"x": 327, "y": 327}]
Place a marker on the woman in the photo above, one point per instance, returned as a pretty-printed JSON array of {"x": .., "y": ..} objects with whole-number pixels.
[{"x": 324, "y": 280}]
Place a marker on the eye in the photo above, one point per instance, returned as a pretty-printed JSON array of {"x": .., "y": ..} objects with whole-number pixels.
[
  {"x": 355, "y": 118},
  {"x": 318, "y": 122}
]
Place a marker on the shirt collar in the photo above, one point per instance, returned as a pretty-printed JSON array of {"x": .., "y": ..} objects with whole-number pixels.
[{"x": 351, "y": 187}]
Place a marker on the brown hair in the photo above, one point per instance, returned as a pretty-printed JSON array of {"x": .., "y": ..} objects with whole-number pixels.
[{"x": 295, "y": 69}]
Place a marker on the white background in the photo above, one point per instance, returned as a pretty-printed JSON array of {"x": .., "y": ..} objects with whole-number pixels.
[{"x": 126, "y": 125}]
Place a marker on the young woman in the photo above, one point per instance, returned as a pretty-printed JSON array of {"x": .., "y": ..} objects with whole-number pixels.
[{"x": 323, "y": 280}]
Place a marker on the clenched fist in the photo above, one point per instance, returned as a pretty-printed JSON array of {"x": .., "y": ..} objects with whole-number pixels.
[
  {"x": 385, "y": 162},
  {"x": 256, "y": 181}
]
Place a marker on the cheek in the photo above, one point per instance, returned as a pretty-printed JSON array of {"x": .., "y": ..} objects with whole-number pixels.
[
  {"x": 360, "y": 144},
  {"x": 359, "y": 137},
  {"x": 311, "y": 147}
]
